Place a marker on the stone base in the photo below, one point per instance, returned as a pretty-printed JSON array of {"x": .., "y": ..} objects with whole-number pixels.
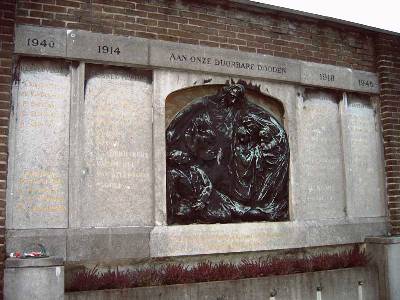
[
  {"x": 385, "y": 254},
  {"x": 34, "y": 279}
]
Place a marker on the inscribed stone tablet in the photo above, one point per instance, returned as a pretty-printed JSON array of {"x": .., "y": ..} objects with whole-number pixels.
[
  {"x": 364, "y": 168},
  {"x": 40, "y": 41},
  {"x": 320, "y": 158},
  {"x": 38, "y": 179},
  {"x": 117, "y": 148},
  {"x": 365, "y": 82},
  {"x": 326, "y": 75},
  {"x": 207, "y": 59},
  {"x": 107, "y": 47}
]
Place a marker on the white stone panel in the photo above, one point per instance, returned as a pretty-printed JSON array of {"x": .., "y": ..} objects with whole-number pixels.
[
  {"x": 39, "y": 137},
  {"x": 115, "y": 186},
  {"x": 321, "y": 159}
]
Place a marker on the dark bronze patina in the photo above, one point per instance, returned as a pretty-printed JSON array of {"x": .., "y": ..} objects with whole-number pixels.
[{"x": 227, "y": 161}]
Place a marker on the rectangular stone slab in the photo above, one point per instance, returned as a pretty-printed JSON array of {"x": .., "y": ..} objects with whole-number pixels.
[
  {"x": 320, "y": 158},
  {"x": 115, "y": 150},
  {"x": 39, "y": 140},
  {"x": 326, "y": 76},
  {"x": 207, "y": 59},
  {"x": 363, "y": 159},
  {"x": 40, "y": 41},
  {"x": 365, "y": 82},
  {"x": 120, "y": 50},
  {"x": 106, "y": 47}
]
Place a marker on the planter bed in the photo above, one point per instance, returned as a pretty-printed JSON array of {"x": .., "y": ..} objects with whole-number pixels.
[{"x": 337, "y": 284}]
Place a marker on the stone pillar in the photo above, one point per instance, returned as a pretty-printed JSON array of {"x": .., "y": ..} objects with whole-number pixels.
[
  {"x": 34, "y": 279},
  {"x": 385, "y": 254}
]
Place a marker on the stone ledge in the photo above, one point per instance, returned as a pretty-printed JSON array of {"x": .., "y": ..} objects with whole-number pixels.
[
  {"x": 383, "y": 239},
  {"x": 224, "y": 238},
  {"x": 34, "y": 262}
]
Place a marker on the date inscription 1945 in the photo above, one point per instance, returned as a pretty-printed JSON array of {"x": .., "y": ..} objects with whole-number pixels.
[
  {"x": 110, "y": 50},
  {"x": 40, "y": 43},
  {"x": 365, "y": 83}
]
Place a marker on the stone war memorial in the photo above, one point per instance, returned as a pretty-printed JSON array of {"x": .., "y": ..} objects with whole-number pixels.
[{"x": 197, "y": 150}]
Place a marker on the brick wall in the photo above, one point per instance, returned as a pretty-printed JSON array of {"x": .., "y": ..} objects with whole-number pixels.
[
  {"x": 217, "y": 24},
  {"x": 388, "y": 67},
  {"x": 7, "y": 16},
  {"x": 211, "y": 23}
]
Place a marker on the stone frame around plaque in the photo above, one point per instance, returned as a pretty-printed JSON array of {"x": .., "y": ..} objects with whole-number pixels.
[{"x": 165, "y": 84}]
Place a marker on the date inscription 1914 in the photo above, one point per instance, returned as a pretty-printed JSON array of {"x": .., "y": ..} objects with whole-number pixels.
[
  {"x": 110, "y": 50},
  {"x": 40, "y": 43}
]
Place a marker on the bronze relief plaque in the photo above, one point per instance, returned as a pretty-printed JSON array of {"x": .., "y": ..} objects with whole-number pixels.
[{"x": 227, "y": 161}]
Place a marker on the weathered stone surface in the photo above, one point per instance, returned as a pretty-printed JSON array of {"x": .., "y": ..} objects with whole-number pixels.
[
  {"x": 40, "y": 41},
  {"x": 38, "y": 163},
  {"x": 101, "y": 244},
  {"x": 136, "y": 51},
  {"x": 384, "y": 253},
  {"x": 336, "y": 285},
  {"x": 54, "y": 240},
  {"x": 190, "y": 57},
  {"x": 326, "y": 76},
  {"x": 224, "y": 238},
  {"x": 34, "y": 262},
  {"x": 320, "y": 157},
  {"x": 34, "y": 283},
  {"x": 365, "y": 82},
  {"x": 115, "y": 157},
  {"x": 363, "y": 158},
  {"x": 107, "y": 47}
]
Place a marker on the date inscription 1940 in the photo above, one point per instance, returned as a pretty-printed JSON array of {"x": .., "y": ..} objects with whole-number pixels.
[{"x": 40, "y": 43}]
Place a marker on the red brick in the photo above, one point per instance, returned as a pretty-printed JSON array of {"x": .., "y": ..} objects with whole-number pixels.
[
  {"x": 28, "y": 5},
  {"x": 147, "y": 8},
  {"x": 209, "y": 44},
  {"x": 78, "y": 26},
  {"x": 187, "y": 35},
  {"x": 135, "y": 27},
  {"x": 155, "y": 16},
  {"x": 68, "y": 3},
  {"x": 40, "y": 14},
  {"x": 54, "y": 8},
  {"x": 23, "y": 20},
  {"x": 189, "y": 41},
  {"x": 178, "y": 19},
  {"x": 148, "y": 22},
  {"x": 168, "y": 38},
  {"x": 171, "y": 25},
  {"x": 146, "y": 35}
]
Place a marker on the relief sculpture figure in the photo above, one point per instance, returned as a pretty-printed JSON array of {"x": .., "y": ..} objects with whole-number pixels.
[{"x": 227, "y": 161}]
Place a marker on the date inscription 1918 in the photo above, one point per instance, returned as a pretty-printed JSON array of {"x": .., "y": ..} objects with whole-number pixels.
[
  {"x": 110, "y": 50},
  {"x": 326, "y": 77},
  {"x": 365, "y": 83},
  {"x": 40, "y": 43}
]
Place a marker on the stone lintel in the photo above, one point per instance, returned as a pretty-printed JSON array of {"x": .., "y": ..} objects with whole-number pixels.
[{"x": 132, "y": 51}]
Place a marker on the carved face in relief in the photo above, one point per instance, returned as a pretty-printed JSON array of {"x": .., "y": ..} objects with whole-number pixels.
[
  {"x": 201, "y": 139},
  {"x": 233, "y": 94}
]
